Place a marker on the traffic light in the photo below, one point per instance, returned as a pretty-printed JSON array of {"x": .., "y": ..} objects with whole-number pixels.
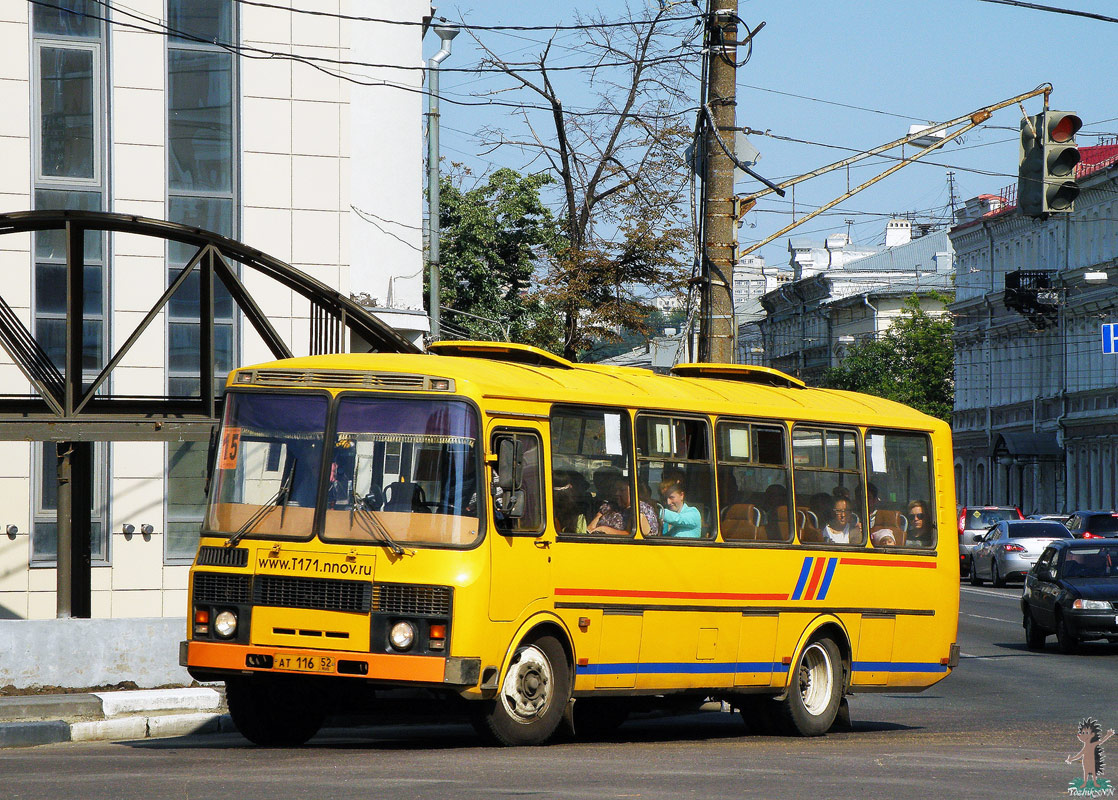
[{"x": 1046, "y": 175}]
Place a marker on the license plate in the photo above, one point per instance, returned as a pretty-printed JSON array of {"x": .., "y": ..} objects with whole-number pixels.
[{"x": 304, "y": 663}]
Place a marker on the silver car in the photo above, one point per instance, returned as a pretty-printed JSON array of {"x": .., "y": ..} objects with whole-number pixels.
[{"x": 1010, "y": 549}]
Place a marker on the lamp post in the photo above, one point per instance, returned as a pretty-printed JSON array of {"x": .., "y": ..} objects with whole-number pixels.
[{"x": 446, "y": 33}]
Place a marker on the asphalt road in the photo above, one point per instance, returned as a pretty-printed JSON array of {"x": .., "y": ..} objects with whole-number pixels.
[{"x": 1001, "y": 725}]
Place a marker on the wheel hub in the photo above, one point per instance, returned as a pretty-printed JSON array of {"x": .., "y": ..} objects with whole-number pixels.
[{"x": 526, "y": 690}]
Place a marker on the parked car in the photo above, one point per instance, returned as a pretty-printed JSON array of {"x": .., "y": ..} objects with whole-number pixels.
[
  {"x": 976, "y": 520},
  {"x": 1072, "y": 591},
  {"x": 1010, "y": 548},
  {"x": 1093, "y": 524}
]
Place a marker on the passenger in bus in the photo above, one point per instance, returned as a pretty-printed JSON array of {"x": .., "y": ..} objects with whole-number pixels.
[
  {"x": 775, "y": 507},
  {"x": 919, "y": 523},
  {"x": 840, "y": 529},
  {"x": 679, "y": 519},
  {"x": 729, "y": 493},
  {"x": 569, "y": 516},
  {"x": 616, "y": 516},
  {"x": 881, "y": 535}
]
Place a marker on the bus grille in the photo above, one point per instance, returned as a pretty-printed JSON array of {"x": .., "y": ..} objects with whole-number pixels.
[
  {"x": 324, "y": 377},
  {"x": 324, "y": 594},
  {"x": 394, "y": 598},
  {"x": 219, "y": 587},
  {"x": 222, "y": 557}
]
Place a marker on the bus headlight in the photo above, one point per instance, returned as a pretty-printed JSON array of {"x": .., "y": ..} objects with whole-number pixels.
[
  {"x": 402, "y": 635},
  {"x": 225, "y": 624}
]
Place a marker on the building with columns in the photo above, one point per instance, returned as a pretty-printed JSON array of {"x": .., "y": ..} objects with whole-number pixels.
[{"x": 1036, "y": 408}]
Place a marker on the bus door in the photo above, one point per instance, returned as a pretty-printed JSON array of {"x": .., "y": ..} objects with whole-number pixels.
[{"x": 519, "y": 545}]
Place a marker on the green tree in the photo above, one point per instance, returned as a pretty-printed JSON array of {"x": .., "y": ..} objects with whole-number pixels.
[
  {"x": 494, "y": 236},
  {"x": 912, "y": 362},
  {"x": 617, "y": 164}
]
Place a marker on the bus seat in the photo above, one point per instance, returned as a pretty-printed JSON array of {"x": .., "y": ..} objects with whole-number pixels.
[
  {"x": 741, "y": 521},
  {"x": 808, "y": 526},
  {"x": 400, "y": 496},
  {"x": 888, "y": 518},
  {"x": 776, "y": 525}
]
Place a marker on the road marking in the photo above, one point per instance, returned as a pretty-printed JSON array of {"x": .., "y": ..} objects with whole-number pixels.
[
  {"x": 995, "y": 619},
  {"x": 989, "y": 593}
]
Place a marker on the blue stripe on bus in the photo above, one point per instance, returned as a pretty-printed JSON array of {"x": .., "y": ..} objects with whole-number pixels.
[
  {"x": 830, "y": 573},
  {"x": 803, "y": 578},
  {"x": 670, "y": 668},
  {"x": 897, "y": 666}
]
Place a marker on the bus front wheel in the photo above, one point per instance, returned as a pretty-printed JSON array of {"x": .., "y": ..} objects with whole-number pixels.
[
  {"x": 274, "y": 712},
  {"x": 532, "y": 697},
  {"x": 815, "y": 692}
]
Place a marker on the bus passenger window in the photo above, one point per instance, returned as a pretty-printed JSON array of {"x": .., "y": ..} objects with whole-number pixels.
[
  {"x": 753, "y": 482},
  {"x": 827, "y": 475},
  {"x": 899, "y": 466},
  {"x": 591, "y": 478},
  {"x": 674, "y": 470}
]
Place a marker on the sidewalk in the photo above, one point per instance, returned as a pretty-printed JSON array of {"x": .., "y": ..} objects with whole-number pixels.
[{"x": 30, "y": 720}]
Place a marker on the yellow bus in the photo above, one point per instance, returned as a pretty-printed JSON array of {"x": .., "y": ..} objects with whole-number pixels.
[{"x": 558, "y": 542}]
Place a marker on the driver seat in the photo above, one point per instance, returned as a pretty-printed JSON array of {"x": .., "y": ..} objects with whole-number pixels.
[{"x": 401, "y": 496}]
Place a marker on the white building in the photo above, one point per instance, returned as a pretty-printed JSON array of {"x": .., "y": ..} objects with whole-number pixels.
[
  {"x": 149, "y": 112},
  {"x": 809, "y": 321},
  {"x": 1036, "y": 413}
]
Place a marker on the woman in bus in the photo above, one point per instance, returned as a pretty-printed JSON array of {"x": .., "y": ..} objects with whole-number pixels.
[
  {"x": 680, "y": 520},
  {"x": 840, "y": 529},
  {"x": 616, "y": 516},
  {"x": 919, "y": 523}
]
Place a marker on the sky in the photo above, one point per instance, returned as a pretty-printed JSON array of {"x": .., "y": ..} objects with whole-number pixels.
[{"x": 849, "y": 73}]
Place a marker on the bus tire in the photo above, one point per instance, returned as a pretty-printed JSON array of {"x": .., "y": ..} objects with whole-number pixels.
[
  {"x": 273, "y": 712},
  {"x": 815, "y": 690},
  {"x": 532, "y": 697}
]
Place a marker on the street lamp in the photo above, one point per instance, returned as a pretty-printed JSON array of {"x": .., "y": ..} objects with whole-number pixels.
[{"x": 446, "y": 33}]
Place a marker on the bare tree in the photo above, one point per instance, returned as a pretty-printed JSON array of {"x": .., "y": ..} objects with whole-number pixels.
[{"x": 618, "y": 165}]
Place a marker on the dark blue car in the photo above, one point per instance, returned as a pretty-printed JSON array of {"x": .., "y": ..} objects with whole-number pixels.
[{"x": 1072, "y": 591}]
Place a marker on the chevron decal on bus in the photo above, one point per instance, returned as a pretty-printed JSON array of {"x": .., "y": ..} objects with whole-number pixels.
[{"x": 815, "y": 577}]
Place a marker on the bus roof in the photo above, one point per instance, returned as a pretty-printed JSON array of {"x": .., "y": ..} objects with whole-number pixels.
[{"x": 521, "y": 373}]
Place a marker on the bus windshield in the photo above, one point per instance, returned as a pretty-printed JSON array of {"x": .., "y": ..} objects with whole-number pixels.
[
  {"x": 403, "y": 471},
  {"x": 268, "y": 465}
]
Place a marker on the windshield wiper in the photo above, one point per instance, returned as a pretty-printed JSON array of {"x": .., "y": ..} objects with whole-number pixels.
[
  {"x": 279, "y": 498},
  {"x": 374, "y": 526}
]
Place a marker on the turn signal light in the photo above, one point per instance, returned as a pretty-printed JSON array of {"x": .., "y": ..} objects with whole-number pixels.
[
  {"x": 202, "y": 616},
  {"x": 438, "y": 631}
]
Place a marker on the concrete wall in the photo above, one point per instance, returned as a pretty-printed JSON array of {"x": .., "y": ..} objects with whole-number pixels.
[{"x": 79, "y": 653}]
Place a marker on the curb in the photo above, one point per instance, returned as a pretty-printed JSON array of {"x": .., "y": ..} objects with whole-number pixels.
[{"x": 51, "y": 719}]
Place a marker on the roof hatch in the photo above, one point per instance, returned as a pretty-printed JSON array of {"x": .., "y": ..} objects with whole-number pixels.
[
  {"x": 745, "y": 373},
  {"x": 500, "y": 351}
]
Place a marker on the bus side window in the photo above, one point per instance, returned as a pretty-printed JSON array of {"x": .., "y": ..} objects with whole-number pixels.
[
  {"x": 899, "y": 488},
  {"x": 753, "y": 482},
  {"x": 517, "y": 484}
]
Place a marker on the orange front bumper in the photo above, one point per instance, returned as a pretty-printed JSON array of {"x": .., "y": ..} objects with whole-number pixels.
[{"x": 381, "y": 666}]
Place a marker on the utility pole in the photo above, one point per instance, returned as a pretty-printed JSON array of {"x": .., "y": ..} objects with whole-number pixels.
[
  {"x": 446, "y": 34},
  {"x": 717, "y": 329}
]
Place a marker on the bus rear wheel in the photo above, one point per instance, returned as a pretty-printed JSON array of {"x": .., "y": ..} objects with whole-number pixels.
[
  {"x": 815, "y": 691},
  {"x": 273, "y": 711},
  {"x": 532, "y": 697}
]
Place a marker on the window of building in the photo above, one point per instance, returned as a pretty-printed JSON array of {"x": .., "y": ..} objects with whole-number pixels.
[
  {"x": 68, "y": 57},
  {"x": 202, "y": 186}
]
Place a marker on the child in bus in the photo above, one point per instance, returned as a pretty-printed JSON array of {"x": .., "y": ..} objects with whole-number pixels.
[{"x": 679, "y": 519}]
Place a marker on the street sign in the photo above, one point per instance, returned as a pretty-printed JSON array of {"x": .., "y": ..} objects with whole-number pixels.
[{"x": 1110, "y": 338}]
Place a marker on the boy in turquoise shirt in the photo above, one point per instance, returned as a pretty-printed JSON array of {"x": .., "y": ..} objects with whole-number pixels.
[{"x": 680, "y": 520}]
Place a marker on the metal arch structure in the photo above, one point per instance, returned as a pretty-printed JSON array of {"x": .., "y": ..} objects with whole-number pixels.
[
  {"x": 66, "y": 409},
  {"x": 73, "y": 413}
]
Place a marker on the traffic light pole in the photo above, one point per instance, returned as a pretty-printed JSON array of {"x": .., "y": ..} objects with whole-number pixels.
[{"x": 717, "y": 331}]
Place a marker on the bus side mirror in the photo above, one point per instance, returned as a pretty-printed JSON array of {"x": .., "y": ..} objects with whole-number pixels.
[{"x": 508, "y": 492}]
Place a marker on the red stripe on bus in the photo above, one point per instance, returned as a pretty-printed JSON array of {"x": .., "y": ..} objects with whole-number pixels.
[
  {"x": 815, "y": 575},
  {"x": 671, "y": 595},
  {"x": 873, "y": 562}
]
